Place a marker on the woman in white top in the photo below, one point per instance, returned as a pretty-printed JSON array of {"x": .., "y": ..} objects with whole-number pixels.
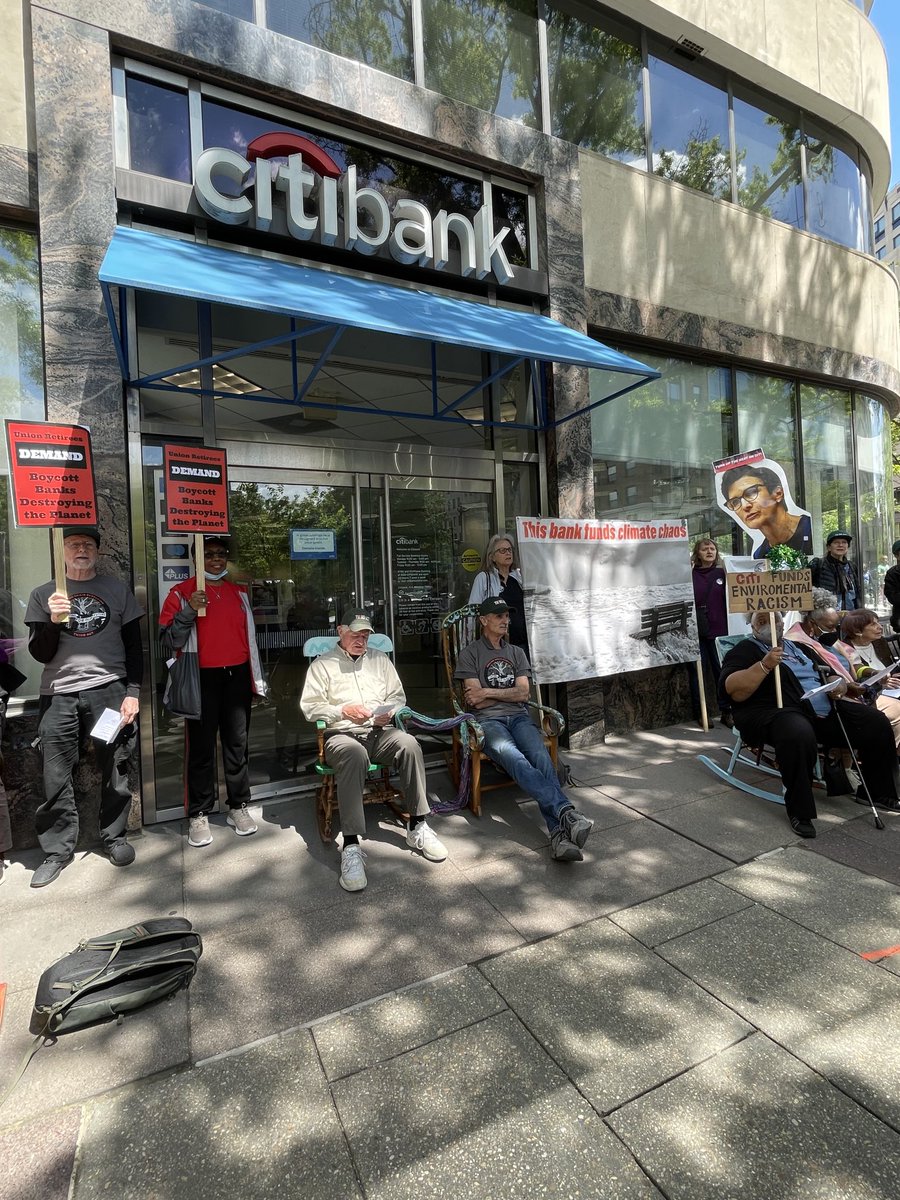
[
  {"x": 860, "y": 628},
  {"x": 500, "y": 576}
]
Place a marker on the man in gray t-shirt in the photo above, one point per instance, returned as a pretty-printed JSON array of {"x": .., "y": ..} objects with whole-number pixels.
[
  {"x": 89, "y": 640},
  {"x": 497, "y": 682}
]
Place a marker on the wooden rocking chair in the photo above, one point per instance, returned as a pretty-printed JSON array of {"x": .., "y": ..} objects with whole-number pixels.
[{"x": 458, "y": 629}]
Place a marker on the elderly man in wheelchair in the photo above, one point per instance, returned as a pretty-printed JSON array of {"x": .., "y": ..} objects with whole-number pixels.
[{"x": 797, "y": 729}]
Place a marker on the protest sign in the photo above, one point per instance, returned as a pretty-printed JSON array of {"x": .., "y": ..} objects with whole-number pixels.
[
  {"x": 195, "y": 485},
  {"x": 195, "y": 496},
  {"x": 771, "y": 591},
  {"x": 603, "y": 597},
  {"x": 753, "y": 490},
  {"x": 51, "y": 473}
]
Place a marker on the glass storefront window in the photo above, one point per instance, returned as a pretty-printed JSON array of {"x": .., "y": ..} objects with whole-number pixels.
[
  {"x": 663, "y": 438},
  {"x": 484, "y": 52},
  {"x": 158, "y": 129},
  {"x": 595, "y": 84},
  {"x": 24, "y": 553},
  {"x": 374, "y": 32},
  {"x": 689, "y": 120},
  {"x": 234, "y": 8},
  {"x": 765, "y": 411},
  {"x": 875, "y": 473},
  {"x": 520, "y": 493},
  {"x": 167, "y": 339},
  {"x": 769, "y": 174},
  {"x": 836, "y": 208},
  {"x": 381, "y": 382},
  {"x": 394, "y": 177},
  {"x": 830, "y": 495}
]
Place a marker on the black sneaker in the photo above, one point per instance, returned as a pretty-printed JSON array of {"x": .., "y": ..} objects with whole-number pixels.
[
  {"x": 805, "y": 829},
  {"x": 885, "y": 803},
  {"x": 49, "y": 870},
  {"x": 121, "y": 853},
  {"x": 576, "y": 825},
  {"x": 727, "y": 720},
  {"x": 562, "y": 849}
]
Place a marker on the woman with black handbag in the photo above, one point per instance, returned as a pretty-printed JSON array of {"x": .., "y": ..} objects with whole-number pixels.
[{"x": 230, "y": 675}]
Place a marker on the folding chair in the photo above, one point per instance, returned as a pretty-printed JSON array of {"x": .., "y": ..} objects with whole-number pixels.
[
  {"x": 457, "y": 630},
  {"x": 378, "y": 788}
]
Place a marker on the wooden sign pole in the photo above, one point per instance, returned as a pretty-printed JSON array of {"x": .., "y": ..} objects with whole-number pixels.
[
  {"x": 778, "y": 698},
  {"x": 200, "y": 564},
  {"x": 704, "y": 718},
  {"x": 59, "y": 560}
]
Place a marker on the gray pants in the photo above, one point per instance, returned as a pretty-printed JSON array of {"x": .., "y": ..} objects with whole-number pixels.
[{"x": 350, "y": 756}]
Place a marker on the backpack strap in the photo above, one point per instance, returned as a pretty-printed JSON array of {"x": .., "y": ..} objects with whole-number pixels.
[{"x": 26, "y": 1059}]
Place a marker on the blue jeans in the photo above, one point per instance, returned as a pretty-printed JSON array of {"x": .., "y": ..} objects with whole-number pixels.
[{"x": 515, "y": 744}]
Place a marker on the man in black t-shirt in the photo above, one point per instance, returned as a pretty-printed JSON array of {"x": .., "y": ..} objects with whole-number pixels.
[
  {"x": 88, "y": 639},
  {"x": 496, "y": 679}
]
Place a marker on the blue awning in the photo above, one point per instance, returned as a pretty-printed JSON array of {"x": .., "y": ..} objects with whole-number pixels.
[{"x": 155, "y": 263}]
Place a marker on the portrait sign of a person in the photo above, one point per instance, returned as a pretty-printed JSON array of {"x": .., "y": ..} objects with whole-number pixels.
[{"x": 754, "y": 492}]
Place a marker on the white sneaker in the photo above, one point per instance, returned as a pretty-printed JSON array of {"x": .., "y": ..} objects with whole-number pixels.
[
  {"x": 423, "y": 839},
  {"x": 198, "y": 831},
  {"x": 240, "y": 821},
  {"x": 353, "y": 873}
]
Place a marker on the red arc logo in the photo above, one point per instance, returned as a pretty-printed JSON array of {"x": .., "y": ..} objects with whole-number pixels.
[{"x": 276, "y": 145}]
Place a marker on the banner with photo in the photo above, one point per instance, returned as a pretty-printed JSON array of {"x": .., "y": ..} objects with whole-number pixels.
[
  {"x": 602, "y": 597},
  {"x": 753, "y": 490}
]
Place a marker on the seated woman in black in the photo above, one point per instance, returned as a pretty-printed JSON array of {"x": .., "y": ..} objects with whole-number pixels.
[{"x": 796, "y": 730}]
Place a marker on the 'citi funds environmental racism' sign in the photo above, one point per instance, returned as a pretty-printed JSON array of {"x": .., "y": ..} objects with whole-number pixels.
[{"x": 311, "y": 182}]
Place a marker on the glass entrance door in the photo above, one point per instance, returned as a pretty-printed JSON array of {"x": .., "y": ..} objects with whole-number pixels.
[
  {"x": 307, "y": 545},
  {"x": 438, "y": 531},
  {"x": 299, "y": 553}
]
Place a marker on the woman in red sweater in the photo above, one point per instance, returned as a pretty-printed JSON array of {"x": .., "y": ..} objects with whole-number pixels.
[{"x": 230, "y": 674}]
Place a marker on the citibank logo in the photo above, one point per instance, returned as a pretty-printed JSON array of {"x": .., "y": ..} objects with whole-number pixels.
[{"x": 309, "y": 186}]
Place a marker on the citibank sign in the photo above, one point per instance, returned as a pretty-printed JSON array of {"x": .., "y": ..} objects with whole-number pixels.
[{"x": 309, "y": 185}]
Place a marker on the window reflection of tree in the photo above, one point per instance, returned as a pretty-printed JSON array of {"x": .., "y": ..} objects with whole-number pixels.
[
  {"x": 375, "y": 32},
  {"x": 484, "y": 54},
  {"x": 595, "y": 87}
]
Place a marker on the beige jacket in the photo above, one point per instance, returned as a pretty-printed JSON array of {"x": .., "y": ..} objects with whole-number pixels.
[{"x": 335, "y": 679}]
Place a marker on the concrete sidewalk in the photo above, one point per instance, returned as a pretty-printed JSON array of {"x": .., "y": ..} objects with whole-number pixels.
[{"x": 685, "y": 1014}]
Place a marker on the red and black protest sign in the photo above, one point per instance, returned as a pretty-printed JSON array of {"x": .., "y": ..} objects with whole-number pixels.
[
  {"x": 195, "y": 481},
  {"x": 51, "y": 474}
]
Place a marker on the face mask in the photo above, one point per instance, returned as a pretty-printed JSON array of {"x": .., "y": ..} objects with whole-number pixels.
[
  {"x": 215, "y": 578},
  {"x": 827, "y": 639},
  {"x": 764, "y": 635}
]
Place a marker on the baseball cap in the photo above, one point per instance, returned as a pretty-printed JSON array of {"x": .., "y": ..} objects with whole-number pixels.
[
  {"x": 493, "y": 606},
  {"x": 223, "y": 539},
  {"x": 90, "y": 531},
  {"x": 838, "y": 533},
  {"x": 357, "y": 619}
]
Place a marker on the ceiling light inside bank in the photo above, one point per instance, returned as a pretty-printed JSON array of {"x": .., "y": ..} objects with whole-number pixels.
[{"x": 223, "y": 381}]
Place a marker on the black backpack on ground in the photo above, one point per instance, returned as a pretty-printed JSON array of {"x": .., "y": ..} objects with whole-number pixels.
[
  {"x": 116, "y": 973},
  {"x": 110, "y": 975}
]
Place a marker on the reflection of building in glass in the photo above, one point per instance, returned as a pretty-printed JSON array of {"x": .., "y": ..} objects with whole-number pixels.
[{"x": 700, "y": 202}]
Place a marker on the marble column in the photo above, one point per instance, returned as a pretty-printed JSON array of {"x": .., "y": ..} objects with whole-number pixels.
[{"x": 77, "y": 204}]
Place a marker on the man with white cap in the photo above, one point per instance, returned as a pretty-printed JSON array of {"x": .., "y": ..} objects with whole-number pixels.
[{"x": 356, "y": 691}]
